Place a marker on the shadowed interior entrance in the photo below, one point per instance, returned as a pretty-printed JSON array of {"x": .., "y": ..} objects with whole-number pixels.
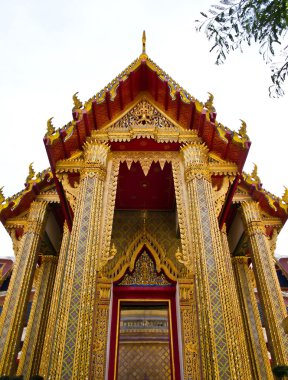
[{"x": 143, "y": 341}]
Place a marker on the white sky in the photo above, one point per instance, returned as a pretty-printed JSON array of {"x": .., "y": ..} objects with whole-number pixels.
[{"x": 51, "y": 49}]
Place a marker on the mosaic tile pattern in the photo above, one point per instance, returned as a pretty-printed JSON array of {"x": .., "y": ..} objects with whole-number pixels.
[
  {"x": 219, "y": 327},
  {"x": 252, "y": 320},
  {"x": 161, "y": 225},
  {"x": 19, "y": 272},
  {"x": 272, "y": 284},
  {"x": 69, "y": 350},
  {"x": 138, "y": 361}
]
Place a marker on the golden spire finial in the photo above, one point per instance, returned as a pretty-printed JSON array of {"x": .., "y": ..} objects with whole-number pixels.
[
  {"x": 113, "y": 250},
  {"x": 285, "y": 195},
  {"x": 50, "y": 127},
  {"x": 243, "y": 129},
  {"x": 209, "y": 103},
  {"x": 178, "y": 254},
  {"x": 2, "y": 198},
  {"x": 143, "y": 54},
  {"x": 144, "y": 42},
  {"x": 77, "y": 103},
  {"x": 254, "y": 174},
  {"x": 31, "y": 173}
]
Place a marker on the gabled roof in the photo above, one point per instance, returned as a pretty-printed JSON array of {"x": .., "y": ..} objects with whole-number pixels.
[
  {"x": 21, "y": 201},
  {"x": 144, "y": 76}
]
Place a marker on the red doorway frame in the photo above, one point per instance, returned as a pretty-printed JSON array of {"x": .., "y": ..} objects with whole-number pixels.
[{"x": 143, "y": 293}]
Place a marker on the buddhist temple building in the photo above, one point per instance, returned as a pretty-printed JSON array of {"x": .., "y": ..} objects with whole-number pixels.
[{"x": 148, "y": 249}]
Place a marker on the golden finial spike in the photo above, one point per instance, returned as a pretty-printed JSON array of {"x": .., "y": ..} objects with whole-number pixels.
[
  {"x": 285, "y": 195},
  {"x": 2, "y": 198},
  {"x": 144, "y": 42},
  {"x": 209, "y": 104},
  {"x": 50, "y": 127},
  {"x": 31, "y": 173},
  {"x": 254, "y": 174},
  {"x": 77, "y": 103},
  {"x": 113, "y": 250},
  {"x": 178, "y": 254},
  {"x": 243, "y": 129}
]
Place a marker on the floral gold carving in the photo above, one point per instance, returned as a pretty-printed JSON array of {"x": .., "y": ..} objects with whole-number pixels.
[
  {"x": 220, "y": 195},
  {"x": 145, "y": 120},
  {"x": 70, "y": 191},
  {"x": 144, "y": 273}
]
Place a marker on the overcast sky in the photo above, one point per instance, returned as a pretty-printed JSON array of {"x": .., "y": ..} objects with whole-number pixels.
[{"x": 51, "y": 49}]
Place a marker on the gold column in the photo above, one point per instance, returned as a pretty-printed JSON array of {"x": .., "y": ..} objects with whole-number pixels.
[
  {"x": 34, "y": 338},
  {"x": 13, "y": 315},
  {"x": 235, "y": 307},
  {"x": 50, "y": 336},
  {"x": 253, "y": 330},
  {"x": 219, "y": 336},
  {"x": 72, "y": 348},
  {"x": 100, "y": 330},
  {"x": 267, "y": 283},
  {"x": 190, "y": 337}
]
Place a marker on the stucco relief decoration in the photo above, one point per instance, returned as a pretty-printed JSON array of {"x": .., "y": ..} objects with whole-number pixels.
[
  {"x": 220, "y": 194},
  {"x": 144, "y": 121},
  {"x": 70, "y": 191},
  {"x": 143, "y": 115}
]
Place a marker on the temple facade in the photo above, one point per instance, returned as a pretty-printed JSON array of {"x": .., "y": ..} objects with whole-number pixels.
[{"x": 144, "y": 243}]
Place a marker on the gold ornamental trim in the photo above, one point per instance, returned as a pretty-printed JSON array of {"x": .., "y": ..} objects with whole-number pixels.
[
  {"x": 128, "y": 260},
  {"x": 225, "y": 168},
  {"x": 17, "y": 198},
  {"x": 16, "y": 223},
  {"x": 143, "y": 119}
]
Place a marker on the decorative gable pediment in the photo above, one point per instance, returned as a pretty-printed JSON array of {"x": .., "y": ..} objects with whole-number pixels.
[{"x": 144, "y": 120}]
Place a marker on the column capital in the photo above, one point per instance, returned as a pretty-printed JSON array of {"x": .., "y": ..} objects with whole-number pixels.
[
  {"x": 250, "y": 211},
  {"x": 36, "y": 216},
  {"x": 95, "y": 158},
  {"x": 195, "y": 157},
  {"x": 252, "y": 218}
]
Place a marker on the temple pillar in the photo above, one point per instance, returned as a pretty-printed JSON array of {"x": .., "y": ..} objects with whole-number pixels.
[
  {"x": 50, "y": 335},
  {"x": 190, "y": 339},
  {"x": 34, "y": 338},
  {"x": 15, "y": 306},
  {"x": 235, "y": 307},
  {"x": 100, "y": 330},
  {"x": 267, "y": 283},
  {"x": 88, "y": 251},
  {"x": 219, "y": 336},
  {"x": 258, "y": 352}
]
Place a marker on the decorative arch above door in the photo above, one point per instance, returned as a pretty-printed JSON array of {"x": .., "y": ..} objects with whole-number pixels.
[{"x": 144, "y": 334}]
